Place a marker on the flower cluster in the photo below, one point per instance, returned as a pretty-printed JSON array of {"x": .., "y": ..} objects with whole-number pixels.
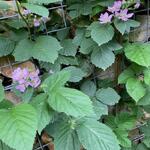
[
  {"x": 23, "y": 78},
  {"x": 116, "y": 11},
  {"x": 36, "y": 21}
]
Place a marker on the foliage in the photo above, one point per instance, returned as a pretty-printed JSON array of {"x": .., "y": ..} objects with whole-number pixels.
[{"x": 74, "y": 102}]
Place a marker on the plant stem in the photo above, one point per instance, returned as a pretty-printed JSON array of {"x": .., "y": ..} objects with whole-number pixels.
[{"x": 28, "y": 26}]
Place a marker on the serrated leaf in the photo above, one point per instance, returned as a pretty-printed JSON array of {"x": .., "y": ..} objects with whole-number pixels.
[
  {"x": 101, "y": 34},
  {"x": 102, "y": 57},
  {"x": 45, "y": 48},
  {"x": 45, "y": 113},
  {"x": 135, "y": 89},
  {"x": 124, "y": 26},
  {"x": 6, "y": 46},
  {"x": 108, "y": 96},
  {"x": 3, "y": 146},
  {"x": 36, "y": 9},
  {"x": 89, "y": 88},
  {"x": 66, "y": 138},
  {"x": 68, "y": 60},
  {"x": 76, "y": 73},
  {"x": 138, "y": 53},
  {"x": 91, "y": 131},
  {"x": 69, "y": 49},
  {"x": 125, "y": 75},
  {"x": 70, "y": 101},
  {"x": 18, "y": 126}
]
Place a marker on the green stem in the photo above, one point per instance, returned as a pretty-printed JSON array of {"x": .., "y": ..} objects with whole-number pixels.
[{"x": 28, "y": 26}]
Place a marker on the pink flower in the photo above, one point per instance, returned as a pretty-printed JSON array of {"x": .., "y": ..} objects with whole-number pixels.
[
  {"x": 105, "y": 18},
  {"x": 116, "y": 7},
  {"x": 123, "y": 14},
  {"x": 26, "y": 12},
  {"x": 137, "y": 5},
  {"x": 23, "y": 79},
  {"x": 36, "y": 23}
]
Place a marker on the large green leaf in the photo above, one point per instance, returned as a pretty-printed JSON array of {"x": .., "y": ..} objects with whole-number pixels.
[
  {"x": 101, "y": 33},
  {"x": 107, "y": 96},
  {"x": 6, "y": 46},
  {"x": 45, "y": 48},
  {"x": 70, "y": 101},
  {"x": 36, "y": 9},
  {"x": 102, "y": 57},
  {"x": 18, "y": 126},
  {"x": 45, "y": 113},
  {"x": 135, "y": 89},
  {"x": 138, "y": 53},
  {"x": 69, "y": 48},
  {"x": 3, "y": 146},
  {"x": 97, "y": 136}
]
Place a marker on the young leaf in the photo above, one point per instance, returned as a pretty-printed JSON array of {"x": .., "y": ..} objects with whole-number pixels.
[
  {"x": 138, "y": 53},
  {"x": 97, "y": 136},
  {"x": 70, "y": 101},
  {"x": 135, "y": 89},
  {"x": 45, "y": 48},
  {"x": 18, "y": 126},
  {"x": 102, "y": 57},
  {"x": 108, "y": 96},
  {"x": 101, "y": 34}
]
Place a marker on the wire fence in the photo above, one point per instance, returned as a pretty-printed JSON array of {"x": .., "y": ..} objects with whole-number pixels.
[{"x": 143, "y": 29}]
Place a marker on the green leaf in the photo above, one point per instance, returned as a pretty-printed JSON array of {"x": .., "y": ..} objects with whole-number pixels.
[
  {"x": 101, "y": 34},
  {"x": 68, "y": 60},
  {"x": 6, "y": 46},
  {"x": 66, "y": 138},
  {"x": 122, "y": 136},
  {"x": 45, "y": 48},
  {"x": 3, "y": 146},
  {"x": 102, "y": 57},
  {"x": 45, "y": 113},
  {"x": 147, "y": 76},
  {"x": 70, "y": 101},
  {"x": 18, "y": 126},
  {"x": 36, "y": 9},
  {"x": 2, "y": 94},
  {"x": 4, "y": 5},
  {"x": 108, "y": 96},
  {"x": 55, "y": 81},
  {"x": 125, "y": 75},
  {"x": 124, "y": 26},
  {"x": 43, "y": 1},
  {"x": 97, "y": 136},
  {"x": 99, "y": 109},
  {"x": 5, "y": 104},
  {"x": 76, "y": 73},
  {"x": 89, "y": 88},
  {"x": 69, "y": 49},
  {"x": 135, "y": 89},
  {"x": 146, "y": 99},
  {"x": 138, "y": 53}
]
